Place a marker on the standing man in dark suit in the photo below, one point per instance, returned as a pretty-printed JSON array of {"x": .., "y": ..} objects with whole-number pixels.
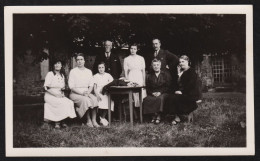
[
  {"x": 113, "y": 67},
  {"x": 112, "y": 62},
  {"x": 169, "y": 61}
]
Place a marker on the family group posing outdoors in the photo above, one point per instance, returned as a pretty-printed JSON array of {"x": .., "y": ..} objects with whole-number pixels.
[{"x": 170, "y": 86}]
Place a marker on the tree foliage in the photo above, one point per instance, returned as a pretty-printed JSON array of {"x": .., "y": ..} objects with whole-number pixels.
[{"x": 191, "y": 34}]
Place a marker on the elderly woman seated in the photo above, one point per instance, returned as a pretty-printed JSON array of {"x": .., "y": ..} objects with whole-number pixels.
[
  {"x": 157, "y": 86},
  {"x": 183, "y": 101}
]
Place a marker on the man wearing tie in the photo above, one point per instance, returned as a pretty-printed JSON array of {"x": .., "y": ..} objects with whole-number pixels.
[
  {"x": 169, "y": 61},
  {"x": 113, "y": 67},
  {"x": 112, "y": 62}
]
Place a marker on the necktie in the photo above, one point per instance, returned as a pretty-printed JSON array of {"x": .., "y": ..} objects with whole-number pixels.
[
  {"x": 107, "y": 55},
  {"x": 155, "y": 53}
]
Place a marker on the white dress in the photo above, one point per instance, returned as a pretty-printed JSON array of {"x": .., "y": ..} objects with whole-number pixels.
[
  {"x": 57, "y": 109},
  {"x": 101, "y": 81},
  {"x": 134, "y": 66},
  {"x": 82, "y": 80}
]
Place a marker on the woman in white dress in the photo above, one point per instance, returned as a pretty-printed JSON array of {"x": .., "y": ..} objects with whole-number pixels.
[
  {"x": 57, "y": 107},
  {"x": 134, "y": 67},
  {"x": 81, "y": 85},
  {"x": 100, "y": 80}
]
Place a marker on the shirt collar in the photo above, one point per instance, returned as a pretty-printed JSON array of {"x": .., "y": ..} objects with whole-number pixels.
[
  {"x": 159, "y": 73},
  {"x": 108, "y": 54},
  {"x": 157, "y": 52}
]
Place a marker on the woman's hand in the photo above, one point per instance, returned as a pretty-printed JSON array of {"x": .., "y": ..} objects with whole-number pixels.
[
  {"x": 99, "y": 98},
  {"x": 85, "y": 93},
  {"x": 179, "y": 69},
  {"x": 156, "y": 94},
  {"x": 60, "y": 95},
  {"x": 178, "y": 92}
]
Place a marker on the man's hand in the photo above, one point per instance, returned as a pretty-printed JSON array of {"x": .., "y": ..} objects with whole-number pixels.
[{"x": 178, "y": 92}]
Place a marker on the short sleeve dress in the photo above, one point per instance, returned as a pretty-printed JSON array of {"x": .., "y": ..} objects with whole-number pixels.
[
  {"x": 101, "y": 80},
  {"x": 57, "y": 109},
  {"x": 134, "y": 66},
  {"x": 82, "y": 79}
]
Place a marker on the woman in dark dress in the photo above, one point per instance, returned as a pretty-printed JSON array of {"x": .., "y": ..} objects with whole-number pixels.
[
  {"x": 157, "y": 86},
  {"x": 183, "y": 101}
]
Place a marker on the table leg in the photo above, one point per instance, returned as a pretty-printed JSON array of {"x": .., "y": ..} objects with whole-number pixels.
[
  {"x": 120, "y": 110},
  {"x": 131, "y": 108},
  {"x": 141, "y": 106},
  {"x": 109, "y": 109}
]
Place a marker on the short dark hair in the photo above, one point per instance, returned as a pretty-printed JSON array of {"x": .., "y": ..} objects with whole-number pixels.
[
  {"x": 156, "y": 60},
  {"x": 56, "y": 60},
  {"x": 185, "y": 57},
  {"x": 101, "y": 62},
  {"x": 79, "y": 54},
  {"x": 157, "y": 39},
  {"x": 62, "y": 71},
  {"x": 134, "y": 44}
]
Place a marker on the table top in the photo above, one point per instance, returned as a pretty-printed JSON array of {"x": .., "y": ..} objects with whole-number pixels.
[{"x": 126, "y": 87}]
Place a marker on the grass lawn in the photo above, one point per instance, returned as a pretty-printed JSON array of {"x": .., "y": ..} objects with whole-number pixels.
[{"x": 217, "y": 123}]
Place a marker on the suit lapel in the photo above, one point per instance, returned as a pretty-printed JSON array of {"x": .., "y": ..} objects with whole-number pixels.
[
  {"x": 160, "y": 53},
  {"x": 103, "y": 56},
  {"x": 111, "y": 57}
]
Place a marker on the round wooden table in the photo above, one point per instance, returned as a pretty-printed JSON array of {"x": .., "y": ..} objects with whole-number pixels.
[{"x": 126, "y": 90}]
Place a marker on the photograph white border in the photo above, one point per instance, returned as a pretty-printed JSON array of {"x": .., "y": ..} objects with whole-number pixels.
[{"x": 126, "y": 151}]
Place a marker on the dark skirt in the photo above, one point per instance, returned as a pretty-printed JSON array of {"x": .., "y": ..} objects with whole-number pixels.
[
  {"x": 180, "y": 104},
  {"x": 154, "y": 104}
]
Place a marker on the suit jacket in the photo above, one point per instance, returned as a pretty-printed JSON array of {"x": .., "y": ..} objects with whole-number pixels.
[
  {"x": 158, "y": 84},
  {"x": 167, "y": 59},
  {"x": 113, "y": 64}
]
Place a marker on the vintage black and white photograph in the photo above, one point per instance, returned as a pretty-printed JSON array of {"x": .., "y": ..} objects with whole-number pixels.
[{"x": 140, "y": 79}]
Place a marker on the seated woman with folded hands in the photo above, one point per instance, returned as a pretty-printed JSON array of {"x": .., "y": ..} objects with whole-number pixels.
[{"x": 157, "y": 87}]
